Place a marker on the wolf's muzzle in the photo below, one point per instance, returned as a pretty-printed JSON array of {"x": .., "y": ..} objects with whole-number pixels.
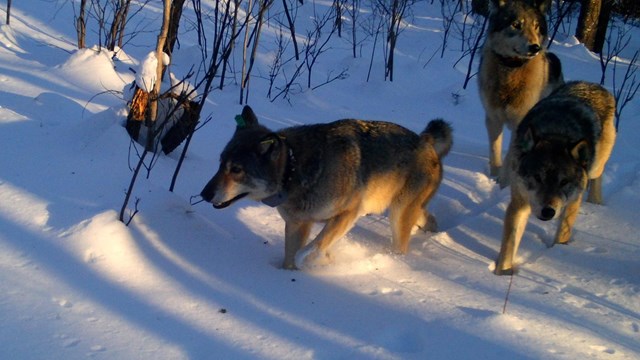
[
  {"x": 224, "y": 204},
  {"x": 534, "y": 49},
  {"x": 208, "y": 195},
  {"x": 547, "y": 213}
]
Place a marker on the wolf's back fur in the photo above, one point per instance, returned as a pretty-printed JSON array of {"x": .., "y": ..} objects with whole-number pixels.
[
  {"x": 562, "y": 144},
  {"x": 516, "y": 71},
  {"x": 333, "y": 173}
]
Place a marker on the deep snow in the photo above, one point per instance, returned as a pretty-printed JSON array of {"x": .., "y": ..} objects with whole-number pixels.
[{"x": 185, "y": 281}]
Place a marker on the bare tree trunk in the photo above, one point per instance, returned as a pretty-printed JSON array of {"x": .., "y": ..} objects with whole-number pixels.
[
  {"x": 227, "y": 53},
  {"x": 245, "y": 46},
  {"x": 8, "y": 12},
  {"x": 396, "y": 14},
  {"x": 174, "y": 24},
  {"x": 355, "y": 8},
  {"x": 119, "y": 20},
  {"x": 153, "y": 105},
  {"x": 125, "y": 15},
  {"x": 603, "y": 24},
  {"x": 588, "y": 23},
  {"x": 81, "y": 25},
  {"x": 392, "y": 45},
  {"x": 244, "y": 88},
  {"x": 337, "y": 4},
  {"x": 391, "y": 38}
]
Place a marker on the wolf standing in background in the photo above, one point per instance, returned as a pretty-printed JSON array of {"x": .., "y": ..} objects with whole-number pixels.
[
  {"x": 563, "y": 142},
  {"x": 333, "y": 173},
  {"x": 516, "y": 71}
]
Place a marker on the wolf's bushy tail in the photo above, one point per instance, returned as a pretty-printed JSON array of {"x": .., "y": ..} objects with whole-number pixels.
[{"x": 439, "y": 134}]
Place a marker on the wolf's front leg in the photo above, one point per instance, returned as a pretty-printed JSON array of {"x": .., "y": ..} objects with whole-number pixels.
[
  {"x": 295, "y": 236},
  {"x": 335, "y": 228},
  {"x": 515, "y": 221},
  {"x": 569, "y": 214}
]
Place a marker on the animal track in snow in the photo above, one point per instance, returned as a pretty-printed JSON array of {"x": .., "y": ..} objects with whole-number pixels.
[
  {"x": 603, "y": 349},
  {"x": 63, "y": 302},
  {"x": 70, "y": 342},
  {"x": 386, "y": 291},
  {"x": 596, "y": 250}
]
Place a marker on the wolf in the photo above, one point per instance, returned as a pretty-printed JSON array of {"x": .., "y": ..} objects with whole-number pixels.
[
  {"x": 562, "y": 144},
  {"x": 333, "y": 173},
  {"x": 516, "y": 70}
]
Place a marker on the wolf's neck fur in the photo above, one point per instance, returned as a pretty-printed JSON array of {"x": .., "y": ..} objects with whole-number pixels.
[
  {"x": 511, "y": 61},
  {"x": 281, "y": 196}
]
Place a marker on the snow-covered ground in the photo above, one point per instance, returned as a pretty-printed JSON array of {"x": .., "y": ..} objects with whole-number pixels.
[{"x": 192, "y": 282}]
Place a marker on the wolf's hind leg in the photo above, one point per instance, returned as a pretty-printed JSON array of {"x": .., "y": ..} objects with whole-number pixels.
[
  {"x": 427, "y": 223},
  {"x": 595, "y": 191},
  {"x": 494, "y": 130},
  {"x": 403, "y": 219}
]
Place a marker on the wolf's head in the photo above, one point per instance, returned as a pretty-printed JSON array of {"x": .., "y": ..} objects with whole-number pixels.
[
  {"x": 553, "y": 170},
  {"x": 517, "y": 28},
  {"x": 251, "y": 165}
]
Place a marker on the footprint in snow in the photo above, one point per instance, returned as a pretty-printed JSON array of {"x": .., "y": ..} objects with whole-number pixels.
[
  {"x": 596, "y": 250},
  {"x": 603, "y": 349},
  {"x": 402, "y": 340},
  {"x": 98, "y": 348},
  {"x": 386, "y": 291},
  {"x": 70, "y": 342}
]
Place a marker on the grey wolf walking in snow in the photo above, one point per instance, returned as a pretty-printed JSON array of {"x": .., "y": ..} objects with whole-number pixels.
[
  {"x": 333, "y": 173},
  {"x": 516, "y": 70},
  {"x": 562, "y": 144}
]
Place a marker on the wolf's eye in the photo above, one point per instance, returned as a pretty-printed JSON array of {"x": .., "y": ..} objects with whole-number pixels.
[
  {"x": 516, "y": 25},
  {"x": 235, "y": 169}
]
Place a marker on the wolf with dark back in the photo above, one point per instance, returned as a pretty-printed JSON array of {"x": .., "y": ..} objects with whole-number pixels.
[
  {"x": 560, "y": 147},
  {"x": 516, "y": 70},
  {"x": 333, "y": 173}
]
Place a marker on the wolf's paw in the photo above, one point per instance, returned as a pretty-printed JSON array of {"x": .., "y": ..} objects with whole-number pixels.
[
  {"x": 494, "y": 171},
  {"x": 311, "y": 256},
  {"x": 503, "y": 179},
  {"x": 431, "y": 225},
  {"x": 289, "y": 266},
  {"x": 425, "y": 224},
  {"x": 501, "y": 272}
]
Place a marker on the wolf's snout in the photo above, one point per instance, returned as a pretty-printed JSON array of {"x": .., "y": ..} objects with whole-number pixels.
[
  {"x": 534, "y": 48},
  {"x": 208, "y": 193},
  {"x": 547, "y": 213}
]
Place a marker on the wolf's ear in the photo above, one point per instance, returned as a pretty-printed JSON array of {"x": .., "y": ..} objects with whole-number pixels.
[
  {"x": 247, "y": 119},
  {"x": 528, "y": 141},
  {"x": 269, "y": 146},
  {"x": 580, "y": 152}
]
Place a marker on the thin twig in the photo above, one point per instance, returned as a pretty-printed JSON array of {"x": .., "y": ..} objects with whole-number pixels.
[
  {"x": 191, "y": 201},
  {"x": 506, "y": 298}
]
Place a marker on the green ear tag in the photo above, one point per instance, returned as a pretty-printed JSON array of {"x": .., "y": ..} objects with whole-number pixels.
[{"x": 240, "y": 121}]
